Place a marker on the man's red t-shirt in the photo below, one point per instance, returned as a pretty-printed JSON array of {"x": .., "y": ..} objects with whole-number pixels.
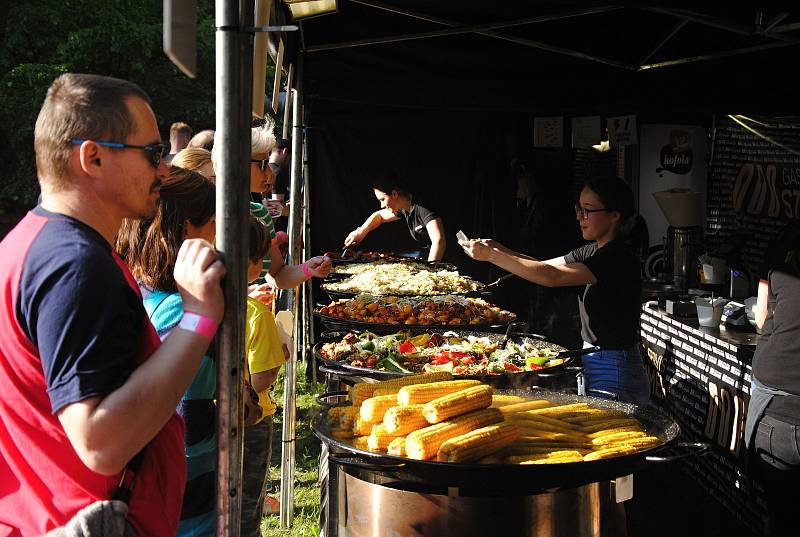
[{"x": 72, "y": 326}]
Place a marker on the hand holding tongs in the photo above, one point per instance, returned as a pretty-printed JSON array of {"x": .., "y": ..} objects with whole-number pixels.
[{"x": 498, "y": 280}]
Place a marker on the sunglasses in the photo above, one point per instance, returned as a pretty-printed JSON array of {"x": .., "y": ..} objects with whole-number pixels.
[
  {"x": 155, "y": 152},
  {"x": 263, "y": 164},
  {"x": 584, "y": 212}
]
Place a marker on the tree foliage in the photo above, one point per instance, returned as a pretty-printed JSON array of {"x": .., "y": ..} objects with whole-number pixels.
[{"x": 122, "y": 38}]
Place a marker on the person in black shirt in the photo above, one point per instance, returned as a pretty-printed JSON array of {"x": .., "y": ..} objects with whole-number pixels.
[
  {"x": 396, "y": 203},
  {"x": 772, "y": 427},
  {"x": 610, "y": 303}
]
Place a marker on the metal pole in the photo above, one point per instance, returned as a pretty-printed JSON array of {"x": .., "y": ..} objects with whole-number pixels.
[
  {"x": 290, "y": 375},
  {"x": 233, "y": 57},
  {"x": 308, "y": 295}
]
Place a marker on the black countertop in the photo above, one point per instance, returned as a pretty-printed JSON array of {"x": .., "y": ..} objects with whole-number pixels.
[{"x": 744, "y": 336}]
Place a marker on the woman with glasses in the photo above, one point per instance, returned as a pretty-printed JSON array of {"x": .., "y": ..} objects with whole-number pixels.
[
  {"x": 610, "y": 302},
  {"x": 397, "y": 203}
]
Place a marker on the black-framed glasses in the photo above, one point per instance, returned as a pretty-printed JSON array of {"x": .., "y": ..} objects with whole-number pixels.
[
  {"x": 155, "y": 152},
  {"x": 262, "y": 163},
  {"x": 584, "y": 212}
]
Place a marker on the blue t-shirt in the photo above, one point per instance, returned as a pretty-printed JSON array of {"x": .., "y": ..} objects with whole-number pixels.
[
  {"x": 198, "y": 411},
  {"x": 85, "y": 349}
]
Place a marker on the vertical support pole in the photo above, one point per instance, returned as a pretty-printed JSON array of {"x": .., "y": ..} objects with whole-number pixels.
[
  {"x": 290, "y": 377},
  {"x": 234, "y": 59}
]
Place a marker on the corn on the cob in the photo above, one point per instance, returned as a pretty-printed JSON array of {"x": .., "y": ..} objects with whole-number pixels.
[
  {"x": 346, "y": 417},
  {"x": 609, "y": 424},
  {"x": 397, "y": 446},
  {"x": 614, "y": 451},
  {"x": 380, "y": 438},
  {"x": 423, "y": 393},
  {"x": 360, "y": 442},
  {"x": 542, "y": 423},
  {"x": 565, "y": 455},
  {"x": 617, "y": 437},
  {"x": 333, "y": 415},
  {"x": 457, "y": 403},
  {"x": 560, "y": 410},
  {"x": 404, "y": 419},
  {"x": 549, "y": 436},
  {"x": 494, "y": 458},
  {"x": 373, "y": 409},
  {"x": 638, "y": 443},
  {"x": 364, "y": 390},
  {"x": 424, "y": 443},
  {"x": 596, "y": 414},
  {"x": 361, "y": 427},
  {"x": 385, "y": 391},
  {"x": 504, "y": 400},
  {"x": 615, "y": 430},
  {"x": 525, "y": 405},
  {"x": 342, "y": 433},
  {"x": 478, "y": 443}
]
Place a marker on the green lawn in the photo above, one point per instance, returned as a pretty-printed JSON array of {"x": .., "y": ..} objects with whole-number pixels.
[{"x": 306, "y": 505}]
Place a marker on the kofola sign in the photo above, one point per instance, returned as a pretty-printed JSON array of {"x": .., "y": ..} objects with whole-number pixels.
[{"x": 767, "y": 190}]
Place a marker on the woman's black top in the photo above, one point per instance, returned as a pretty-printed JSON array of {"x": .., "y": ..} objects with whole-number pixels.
[
  {"x": 777, "y": 359},
  {"x": 417, "y": 217},
  {"x": 610, "y": 308}
]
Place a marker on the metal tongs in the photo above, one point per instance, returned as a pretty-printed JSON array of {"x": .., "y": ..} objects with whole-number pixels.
[{"x": 498, "y": 280}]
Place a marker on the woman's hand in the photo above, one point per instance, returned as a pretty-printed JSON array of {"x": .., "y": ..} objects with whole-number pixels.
[
  {"x": 478, "y": 249},
  {"x": 319, "y": 266},
  {"x": 355, "y": 236}
]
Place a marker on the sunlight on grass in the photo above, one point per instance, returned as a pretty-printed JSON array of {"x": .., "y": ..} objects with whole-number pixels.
[{"x": 306, "y": 505}]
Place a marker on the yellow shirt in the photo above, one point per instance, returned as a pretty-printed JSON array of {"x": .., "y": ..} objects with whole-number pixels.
[{"x": 263, "y": 347}]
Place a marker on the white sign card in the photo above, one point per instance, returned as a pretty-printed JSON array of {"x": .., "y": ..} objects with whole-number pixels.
[
  {"x": 548, "y": 132},
  {"x": 622, "y": 130},
  {"x": 585, "y": 131}
]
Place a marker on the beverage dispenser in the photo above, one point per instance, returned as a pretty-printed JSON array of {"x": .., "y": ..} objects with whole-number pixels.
[{"x": 683, "y": 210}]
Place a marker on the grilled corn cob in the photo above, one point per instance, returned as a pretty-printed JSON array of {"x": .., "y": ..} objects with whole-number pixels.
[
  {"x": 560, "y": 410},
  {"x": 457, "y": 403},
  {"x": 385, "y": 391},
  {"x": 423, "y": 393},
  {"x": 605, "y": 432},
  {"x": 346, "y": 417},
  {"x": 614, "y": 451},
  {"x": 360, "y": 442},
  {"x": 361, "y": 427},
  {"x": 404, "y": 419},
  {"x": 380, "y": 438},
  {"x": 342, "y": 433},
  {"x": 609, "y": 424},
  {"x": 364, "y": 390},
  {"x": 479, "y": 443},
  {"x": 553, "y": 456},
  {"x": 424, "y": 443},
  {"x": 504, "y": 400},
  {"x": 373, "y": 409},
  {"x": 397, "y": 446},
  {"x": 333, "y": 415},
  {"x": 525, "y": 405}
]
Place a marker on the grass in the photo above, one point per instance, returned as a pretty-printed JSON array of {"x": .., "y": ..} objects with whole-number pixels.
[{"x": 307, "y": 447}]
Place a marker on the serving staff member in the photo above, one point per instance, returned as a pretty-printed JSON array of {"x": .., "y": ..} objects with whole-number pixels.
[
  {"x": 610, "y": 303},
  {"x": 396, "y": 203}
]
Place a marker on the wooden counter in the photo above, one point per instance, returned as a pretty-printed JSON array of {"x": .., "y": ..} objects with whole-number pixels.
[{"x": 701, "y": 377}]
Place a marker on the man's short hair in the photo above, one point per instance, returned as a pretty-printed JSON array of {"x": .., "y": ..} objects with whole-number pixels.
[
  {"x": 283, "y": 143},
  {"x": 180, "y": 128},
  {"x": 204, "y": 139},
  {"x": 91, "y": 107}
]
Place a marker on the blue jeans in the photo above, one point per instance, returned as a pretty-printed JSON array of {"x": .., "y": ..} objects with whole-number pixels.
[
  {"x": 777, "y": 448},
  {"x": 620, "y": 372}
]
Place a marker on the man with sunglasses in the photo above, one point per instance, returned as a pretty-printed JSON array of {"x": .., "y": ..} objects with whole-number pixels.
[{"x": 87, "y": 386}]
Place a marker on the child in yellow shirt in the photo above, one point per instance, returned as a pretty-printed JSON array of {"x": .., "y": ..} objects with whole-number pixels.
[{"x": 265, "y": 356}]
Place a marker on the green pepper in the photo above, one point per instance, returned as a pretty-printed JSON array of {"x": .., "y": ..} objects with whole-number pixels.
[
  {"x": 367, "y": 346},
  {"x": 538, "y": 360}
]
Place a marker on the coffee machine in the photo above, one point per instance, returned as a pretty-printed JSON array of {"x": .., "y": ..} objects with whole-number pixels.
[{"x": 683, "y": 242}]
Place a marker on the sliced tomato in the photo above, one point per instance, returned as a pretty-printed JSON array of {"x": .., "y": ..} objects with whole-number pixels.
[
  {"x": 511, "y": 367},
  {"x": 534, "y": 367},
  {"x": 407, "y": 347}
]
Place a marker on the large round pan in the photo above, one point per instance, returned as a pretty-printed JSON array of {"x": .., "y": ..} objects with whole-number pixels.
[
  {"x": 513, "y": 479},
  {"x": 483, "y": 290},
  {"x": 335, "y": 323},
  {"x": 518, "y": 380}
]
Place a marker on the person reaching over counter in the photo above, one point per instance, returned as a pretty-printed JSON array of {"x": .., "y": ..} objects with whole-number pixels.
[
  {"x": 610, "y": 302},
  {"x": 396, "y": 202}
]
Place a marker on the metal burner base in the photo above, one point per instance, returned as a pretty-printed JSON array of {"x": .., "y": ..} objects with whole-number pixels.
[{"x": 374, "y": 505}]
